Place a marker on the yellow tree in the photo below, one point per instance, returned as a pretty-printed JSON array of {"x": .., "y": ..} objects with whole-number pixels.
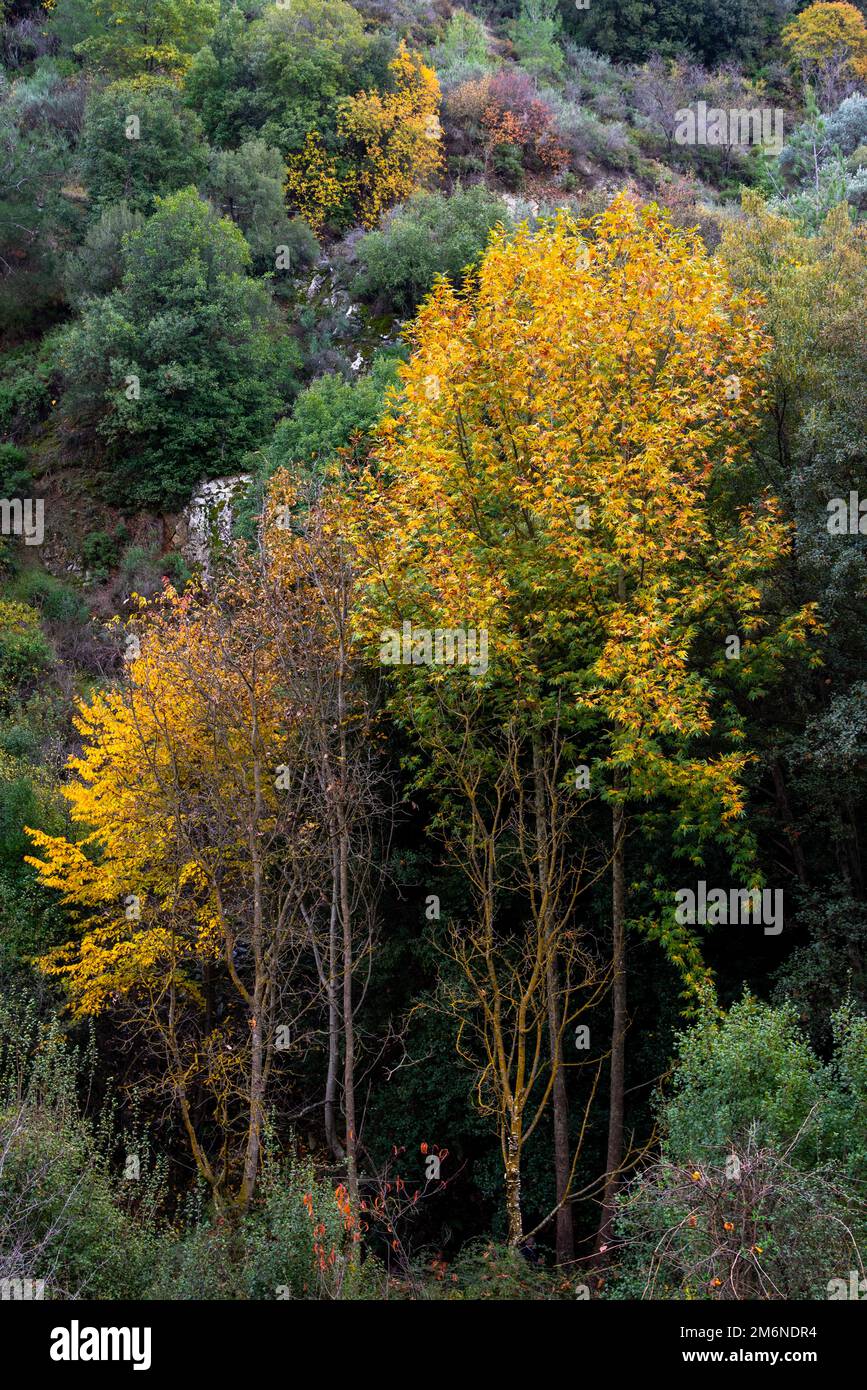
[
  {"x": 312, "y": 182},
  {"x": 828, "y": 42},
  {"x": 394, "y": 139},
  {"x": 560, "y": 470},
  {"x": 194, "y": 840},
  {"x": 225, "y": 807}
]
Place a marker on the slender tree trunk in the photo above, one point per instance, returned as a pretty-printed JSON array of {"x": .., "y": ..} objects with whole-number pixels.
[
  {"x": 257, "y": 1044},
  {"x": 348, "y": 1027},
  {"x": 331, "y": 1134},
  {"x": 788, "y": 820},
  {"x": 513, "y": 1182},
  {"x": 618, "y": 1029},
  {"x": 343, "y": 848},
  {"x": 564, "y": 1234}
]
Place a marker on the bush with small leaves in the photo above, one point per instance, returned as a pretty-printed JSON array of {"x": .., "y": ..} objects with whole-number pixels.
[{"x": 431, "y": 234}]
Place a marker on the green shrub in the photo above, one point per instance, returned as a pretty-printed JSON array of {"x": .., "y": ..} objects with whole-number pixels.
[
  {"x": 65, "y": 1211},
  {"x": 432, "y": 234},
  {"x": 758, "y": 1190},
  {"x": 15, "y": 476},
  {"x": 168, "y": 153},
  {"x": 100, "y": 554},
  {"x": 508, "y": 165},
  {"x": 25, "y": 386},
  {"x": 330, "y": 415},
  {"x": 181, "y": 371},
  {"x": 24, "y": 651},
  {"x": 463, "y": 50},
  {"x": 294, "y": 1243},
  {"x": 57, "y": 602}
]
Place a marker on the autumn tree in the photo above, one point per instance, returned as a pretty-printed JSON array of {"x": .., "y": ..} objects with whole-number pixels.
[
  {"x": 313, "y": 562},
  {"x": 828, "y": 43},
  {"x": 560, "y": 471},
  {"x": 225, "y": 807},
  {"x": 389, "y": 144},
  {"x": 192, "y": 816},
  {"x": 517, "y": 989}
]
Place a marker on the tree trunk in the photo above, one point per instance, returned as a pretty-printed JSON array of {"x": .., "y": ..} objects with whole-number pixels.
[
  {"x": 331, "y": 1134},
  {"x": 618, "y": 1028},
  {"x": 564, "y": 1235},
  {"x": 256, "y": 1119},
  {"x": 343, "y": 850},
  {"x": 348, "y": 1027},
  {"x": 513, "y": 1185}
]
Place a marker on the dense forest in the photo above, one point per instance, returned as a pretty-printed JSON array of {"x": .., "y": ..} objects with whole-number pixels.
[{"x": 433, "y": 650}]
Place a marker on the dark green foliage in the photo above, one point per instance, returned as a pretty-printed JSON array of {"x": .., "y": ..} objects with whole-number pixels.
[
  {"x": 282, "y": 75},
  {"x": 199, "y": 335},
  {"x": 97, "y": 267},
  {"x": 100, "y": 554},
  {"x": 430, "y": 235},
  {"x": 508, "y": 165},
  {"x": 711, "y": 30},
  {"x": 15, "y": 476},
  {"x": 36, "y": 220},
  {"x": 247, "y": 185},
  {"x": 25, "y": 387},
  {"x": 167, "y": 153}
]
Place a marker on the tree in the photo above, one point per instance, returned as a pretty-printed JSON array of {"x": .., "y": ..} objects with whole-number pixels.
[
  {"x": 140, "y": 143},
  {"x": 516, "y": 993},
  {"x": 280, "y": 76},
  {"x": 225, "y": 812},
  {"x": 185, "y": 867},
  {"x": 559, "y": 472},
  {"x": 393, "y": 140},
  {"x": 314, "y": 562},
  {"x": 828, "y": 42},
  {"x": 812, "y": 287},
  {"x": 146, "y": 36},
  {"x": 97, "y": 267},
  {"x": 247, "y": 185},
  {"x": 463, "y": 48},
  {"x": 37, "y": 222},
  {"x": 180, "y": 371},
  {"x": 389, "y": 143},
  {"x": 431, "y": 234},
  {"x": 534, "y": 34}
]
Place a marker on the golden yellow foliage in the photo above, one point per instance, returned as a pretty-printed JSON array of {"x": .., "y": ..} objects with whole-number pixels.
[
  {"x": 392, "y": 142},
  {"x": 555, "y": 472},
  {"x": 395, "y": 137},
  {"x": 312, "y": 182},
  {"x": 828, "y": 34}
]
